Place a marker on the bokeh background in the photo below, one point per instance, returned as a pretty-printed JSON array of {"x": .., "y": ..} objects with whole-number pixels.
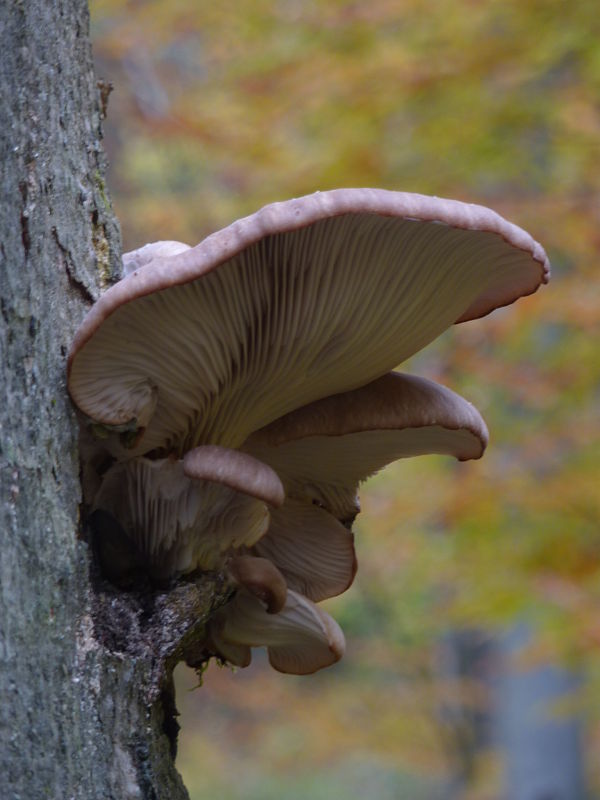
[{"x": 473, "y": 627}]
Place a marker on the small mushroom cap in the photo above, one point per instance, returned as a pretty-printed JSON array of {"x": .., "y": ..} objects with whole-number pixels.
[
  {"x": 304, "y": 299},
  {"x": 325, "y": 449},
  {"x": 301, "y": 638},
  {"x": 240, "y": 471},
  {"x": 261, "y": 578}
]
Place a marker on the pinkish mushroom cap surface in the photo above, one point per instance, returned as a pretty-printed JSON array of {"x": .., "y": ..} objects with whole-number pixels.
[{"x": 136, "y": 259}]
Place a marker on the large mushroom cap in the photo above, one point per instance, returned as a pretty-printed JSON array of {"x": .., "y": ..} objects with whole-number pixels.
[{"x": 303, "y": 299}]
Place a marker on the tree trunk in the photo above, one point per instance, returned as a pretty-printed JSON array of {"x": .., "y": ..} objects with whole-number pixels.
[{"x": 85, "y": 670}]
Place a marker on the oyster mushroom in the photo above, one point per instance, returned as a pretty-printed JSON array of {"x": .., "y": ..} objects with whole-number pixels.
[
  {"x": 304, "y": 299},
  {"x": 274, "y": 337},
  {"x": 300, "y": 639},
  {"x": 323, "y": 451}
]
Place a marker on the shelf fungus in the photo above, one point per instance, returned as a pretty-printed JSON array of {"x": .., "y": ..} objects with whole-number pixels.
[{"x": 235, "y": 394}]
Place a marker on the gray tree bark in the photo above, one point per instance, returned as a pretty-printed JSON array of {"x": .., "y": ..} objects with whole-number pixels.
[{"x": 85, "y": 670}]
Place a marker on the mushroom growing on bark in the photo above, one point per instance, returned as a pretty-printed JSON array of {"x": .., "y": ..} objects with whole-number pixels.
[
  {"x": 300, "y": 639},
  {"x": 272, "y": 340},
  {"x": 323, "y": 451}
]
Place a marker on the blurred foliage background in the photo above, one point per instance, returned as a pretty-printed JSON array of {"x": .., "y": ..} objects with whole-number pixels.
[{"x": 219, "y": 108}]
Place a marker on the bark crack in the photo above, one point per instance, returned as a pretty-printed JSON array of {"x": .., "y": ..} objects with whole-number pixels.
[
  {"x": 77, "y": 285},
  {"x": 24, "y": 219}
]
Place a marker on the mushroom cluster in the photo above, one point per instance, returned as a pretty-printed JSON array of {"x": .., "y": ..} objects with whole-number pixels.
[{"x": 234, "y": 395}]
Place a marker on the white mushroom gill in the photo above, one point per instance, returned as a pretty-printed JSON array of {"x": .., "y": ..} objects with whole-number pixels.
[
  {"x": 327, "y": 470},
  {"x": 249, "y": 342}
]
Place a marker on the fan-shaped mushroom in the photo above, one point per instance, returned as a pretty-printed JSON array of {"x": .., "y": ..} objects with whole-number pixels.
[
  {"x": 325, "y": 449},
  {"x": 300, "y": 639},
  {"x": 264, "y": 351},
  {"x": 304, "y": 299}
]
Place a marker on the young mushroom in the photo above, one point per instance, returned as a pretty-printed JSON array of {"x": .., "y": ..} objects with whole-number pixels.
[
  {"x": 300, "y": 639},
  {"x": 271, "y": 340}
]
